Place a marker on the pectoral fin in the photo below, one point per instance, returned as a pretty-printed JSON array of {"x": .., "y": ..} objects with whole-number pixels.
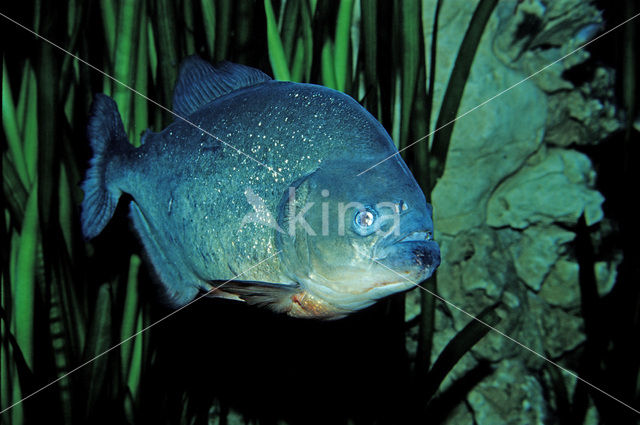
[
  {"x": 276, "y": 296},
  {"x": 291, "y": 299}
]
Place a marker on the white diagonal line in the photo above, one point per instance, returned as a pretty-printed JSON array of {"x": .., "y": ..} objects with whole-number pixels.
[
  {"x": 502, "y": 92},
  {"x": 508, "y": 337},
  {"x": 271, "y": 169},
  {"x": 135, "y": 335}
]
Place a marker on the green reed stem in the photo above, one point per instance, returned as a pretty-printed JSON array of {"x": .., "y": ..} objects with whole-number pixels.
[
  {"x": 65, "y": 208},
  {"x": 21, "y": 105},
  {"x": 124, "y": 59},
  {"x": 297, "y": 66},
  {"x": 108, "y": 9},
  {"x": 11, "y": 129},
  {"x": 328, "y": 69},
  {"x": 277, "y": 56},
  {"x": 30, "y": 131},
  {"x": 369, "y": 13},
  {"x": 24, "y": 283},
  {"x": 140, "y": 105},
  {"x": 152, "y": 52},
  {"x": 223, "y": 15},
  {"x": 187, "y": 32},
  {"x": 307, "y": 37},
  {"x": 137, "y": 359},
  {"x": 342, "y": 57},
  {"x": 208, "y": 9},
  {"x": 130, "y": 313},
  {"x": 288, "y": 24},
  {"x": 411, "y": 53},
  {"x": 98, "y": 341}
]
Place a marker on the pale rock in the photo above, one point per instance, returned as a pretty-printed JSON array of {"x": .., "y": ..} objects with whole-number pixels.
[
  {"x": 499, "y": 156},
  {"x": 519, "y": 23},
  {"x": 509, "y": 396},
  {"x": 559, "y": 330},
  {"x": 474, "y": 267},
  {"x": 563, "y": 332},
  {"x": 476, "y": 274},
  {"x": 584, "y": 116},
  {"x": 537, "y": 251},
  {"x": 515, "y": 324},
  {"x": 553, "y": 189},
  {"x": 568, "y": 23},
  {"x": 492, "y": 141},
  {"x": 606, "y": 274},
  {"x": 546, "y": 72},
  {"x": 561, "y": 287},
  {"x": 539, "y": 39}
]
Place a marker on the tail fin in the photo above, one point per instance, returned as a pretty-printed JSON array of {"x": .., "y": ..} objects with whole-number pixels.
[{"x": 107, "y": 137}]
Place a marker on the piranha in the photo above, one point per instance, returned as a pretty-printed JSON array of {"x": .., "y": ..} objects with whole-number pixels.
[{"x": 262, "y": 191}]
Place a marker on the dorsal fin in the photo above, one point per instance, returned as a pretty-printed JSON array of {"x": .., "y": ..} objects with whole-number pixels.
[{"x": 200, "y": 82}]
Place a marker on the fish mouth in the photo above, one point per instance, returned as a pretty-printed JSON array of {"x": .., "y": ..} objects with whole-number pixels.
[
  {"x": 384, "y": 289},
  {"x": 416, "y": 236},
  {"x": 414, "y": 255}
]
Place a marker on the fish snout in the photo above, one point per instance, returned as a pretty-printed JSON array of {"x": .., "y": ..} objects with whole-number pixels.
[
  {"x": 413, "y": 255},
  {"x": 427, "y": 255}
]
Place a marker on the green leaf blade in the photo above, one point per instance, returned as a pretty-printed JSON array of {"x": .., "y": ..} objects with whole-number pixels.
[{"x": 277, "y": 56}]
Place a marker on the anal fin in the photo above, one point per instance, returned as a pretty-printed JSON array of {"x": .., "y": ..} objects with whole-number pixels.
[{"x": 180, "y": 285}]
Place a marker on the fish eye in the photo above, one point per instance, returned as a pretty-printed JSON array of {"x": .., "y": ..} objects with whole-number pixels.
[
  {"x": 364, "y": 220},
  {"x": 429, "y": 236}
]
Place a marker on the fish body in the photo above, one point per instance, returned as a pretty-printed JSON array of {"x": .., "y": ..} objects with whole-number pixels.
[{"x": 259, "y": 185}]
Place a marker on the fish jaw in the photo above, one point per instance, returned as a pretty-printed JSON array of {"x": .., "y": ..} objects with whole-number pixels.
[
  {"x": 405, "y": 264},
  {"x": 334, "y": 300},
  {"x": 414, "y": 259}
]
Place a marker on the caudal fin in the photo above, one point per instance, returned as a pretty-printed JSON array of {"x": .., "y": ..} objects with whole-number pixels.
[{"x": 107, "y": 137}]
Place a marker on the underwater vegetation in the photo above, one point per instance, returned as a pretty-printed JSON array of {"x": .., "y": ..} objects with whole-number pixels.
[{"x": 532, "y": 204}]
